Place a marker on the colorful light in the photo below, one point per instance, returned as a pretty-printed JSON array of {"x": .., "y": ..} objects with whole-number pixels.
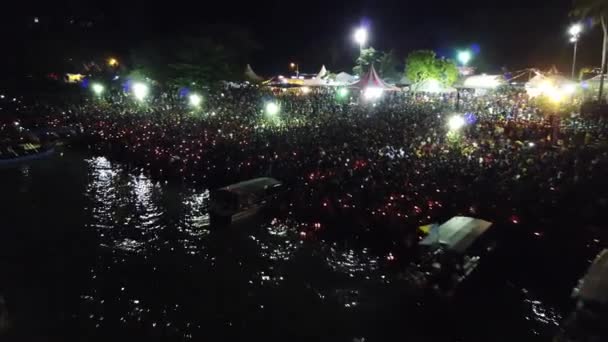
[
  {"x": 97, "y": 88},
  {"x": 456, "y": 122},
  {"x": 195, "y": 100},
  {"x": 464, "y": 56},
  {"x": 140, "y": 90}
]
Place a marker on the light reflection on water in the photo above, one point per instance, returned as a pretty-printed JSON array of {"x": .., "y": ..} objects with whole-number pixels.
[{"x": 160, "y": 269}]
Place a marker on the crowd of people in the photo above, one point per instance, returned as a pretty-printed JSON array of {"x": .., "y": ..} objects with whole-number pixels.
[{"x": 393, "y": 163}]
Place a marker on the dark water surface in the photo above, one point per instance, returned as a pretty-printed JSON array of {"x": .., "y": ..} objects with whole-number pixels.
[{"x": 93, "y": 251}]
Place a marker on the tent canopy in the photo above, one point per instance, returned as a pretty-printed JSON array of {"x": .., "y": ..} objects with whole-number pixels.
[
  {"x": 251, "y": 75},
  {"x": 484, "y": 81},
  {"x": 323, "y": 72},
  {"x": 371, "y": 80},
  {"x": 432, "y": 86}
]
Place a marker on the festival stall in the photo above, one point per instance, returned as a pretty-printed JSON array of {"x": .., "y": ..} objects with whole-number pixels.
[
  {"x": 481, "y": 84},
  {"x": 251, "y": 76},
  {"x": 432, "y": 86}
]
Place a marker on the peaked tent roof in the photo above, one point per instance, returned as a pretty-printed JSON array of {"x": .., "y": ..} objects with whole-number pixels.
[
  {"x": 323, "y": 72},
  {"x": 251, "y": 75},
  {"x": 371, "y": 79},
  {"x": 345, "y": 77}
]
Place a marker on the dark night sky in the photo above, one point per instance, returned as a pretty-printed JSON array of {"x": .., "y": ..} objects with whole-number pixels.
[{"x": 515, "y": 33}]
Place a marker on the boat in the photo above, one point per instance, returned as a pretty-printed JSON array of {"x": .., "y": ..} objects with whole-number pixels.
[
  {"x": 240, "y": 201},
  {"x": 588, "y": 320},
  {"x": 17, "y": 154},
  {"x": 450, "y": 253}
]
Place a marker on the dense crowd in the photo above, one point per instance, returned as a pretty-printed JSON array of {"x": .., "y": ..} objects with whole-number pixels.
[{"x": 391, "y": 163}]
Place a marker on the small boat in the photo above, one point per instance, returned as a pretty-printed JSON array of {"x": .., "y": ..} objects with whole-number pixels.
[
  {"x": 243, "y": 200},
  {"x": 451, "y": 252},
  {"x": 13, "y": 155}
]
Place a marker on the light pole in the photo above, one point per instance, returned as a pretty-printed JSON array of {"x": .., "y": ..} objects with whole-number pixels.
[
  {"x": 360, "y": 37},
  {"x": 575, "y": 31},
  {"x": 296, "y": 67}
]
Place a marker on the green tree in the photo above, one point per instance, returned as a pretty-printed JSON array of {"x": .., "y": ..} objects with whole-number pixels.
[
  {"x": 598, "y": 11},
  {"x": 421, "y": 65},
  {"x": 447, "y": 70},
  {"x": 366, "y": 58},
  {"x": 388, "y": 66}
]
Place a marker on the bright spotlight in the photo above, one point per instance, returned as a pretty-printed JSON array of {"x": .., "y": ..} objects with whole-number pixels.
[
  {"x": 372, "y": 93},
  {"x": 343, "y": 92},
  {"x": 569, "y": 88},
  {"x": 97, "y": 88},
  {"x": 272, "y": 108},
  {"x": 195, "y": 100},
  {"x": 464, "y": 56},
  {"x": 555, "y": 95},
  {"x": 140, "y": 91},
  {"x": 456, "y": 122},
  {"x": 305, "y": 90},
  {"x": 575, "y": 30},
  {"x": 360, "y": 36}
]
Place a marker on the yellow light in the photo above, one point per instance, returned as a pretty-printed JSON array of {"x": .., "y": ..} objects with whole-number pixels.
[
  {"x": 555, "y": 95},
  {"x": 293, "y": 65},
  {"x": 112, "y": 62}
]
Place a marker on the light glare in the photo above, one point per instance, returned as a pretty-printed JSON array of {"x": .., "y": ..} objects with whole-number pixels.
[
  {"x": 195, "y": 100},
  {"x": 140, "y": 91},
  {"x": 456, "y": 122}
]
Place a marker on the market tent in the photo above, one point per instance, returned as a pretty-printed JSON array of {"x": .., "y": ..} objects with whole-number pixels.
[
  {"x": 345, "y": 78},
  {"x": 251, "y": 75},
  {"x": 432, "y": 86},
  {"x": 484, "y": 81},
  {"x": 371, "y": 80},
  {"x": 323, "y": 72},
  {"x": 547, "y": 83}
]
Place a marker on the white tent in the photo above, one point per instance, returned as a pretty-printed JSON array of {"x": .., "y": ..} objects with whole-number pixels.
[
  {"x": 432, "y": 86},
  {"x": 251, "y": 75},
  {"x": 322, "y": 73},
  {"x": 550, "y": 84},
  {"x": 345, "y": 78},
  {"x": 484, "y": 81}
]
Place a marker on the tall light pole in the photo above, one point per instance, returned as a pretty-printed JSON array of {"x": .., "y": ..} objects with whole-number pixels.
[
  {"x": 575, "y": 31},
  {"x": 296, "y": 67},
  {"x": 360, "y": 38}
]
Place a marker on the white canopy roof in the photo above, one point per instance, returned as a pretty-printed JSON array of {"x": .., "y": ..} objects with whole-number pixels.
[
  {"x": 432, "y": 86},
  {"x": 458, "y": 233},
  {"x": 594, "y": 286},
  {"x": 484, "y": 81},
  {"x": 322, "y": 73}
]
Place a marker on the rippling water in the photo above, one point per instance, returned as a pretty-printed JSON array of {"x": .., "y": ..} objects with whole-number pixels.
[{"x": 94, "y": 249}]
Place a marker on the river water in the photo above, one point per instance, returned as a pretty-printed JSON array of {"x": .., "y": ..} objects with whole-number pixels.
[{"x": 91, "y": 249}]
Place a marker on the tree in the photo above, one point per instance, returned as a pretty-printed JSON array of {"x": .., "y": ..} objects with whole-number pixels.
[
  {"x": 420, "y": 66},
  {"x": 388, "y": 66},
  {"x": 598, "y": 11},
  {"x": 424, "y": 65},
  {"x": 219, "y": 54},
  {"x": 366, "y": 58},
  {"x": 448, "y": 71}
]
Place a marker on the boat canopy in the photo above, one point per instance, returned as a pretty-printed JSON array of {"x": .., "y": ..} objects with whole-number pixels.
[
  {"x": 594, "y": 286},
  {"x": 458, "y": 233},
  {"x": 253, "y": 186}
]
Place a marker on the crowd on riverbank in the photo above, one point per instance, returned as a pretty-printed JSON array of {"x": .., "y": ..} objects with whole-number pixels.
[{"x": 392, "y": 163}]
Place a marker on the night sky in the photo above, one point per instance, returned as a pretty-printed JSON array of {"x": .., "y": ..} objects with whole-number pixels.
[{"x": 513, "y": 34}]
